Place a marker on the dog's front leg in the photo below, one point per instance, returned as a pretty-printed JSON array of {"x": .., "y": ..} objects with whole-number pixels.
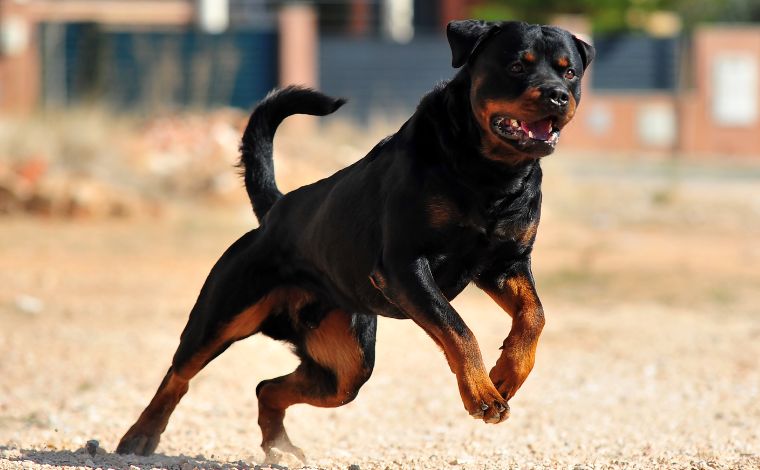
[
  {"x": 410, "y": 286},
  {"x": 516, "y": 294}
]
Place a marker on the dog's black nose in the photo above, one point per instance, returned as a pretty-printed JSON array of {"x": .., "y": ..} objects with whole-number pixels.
[{"x": 555, "y": 96}]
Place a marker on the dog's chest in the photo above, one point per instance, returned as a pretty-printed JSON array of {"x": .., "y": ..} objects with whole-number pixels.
[
  {"x": 477, "y": 242},
  {"x": 500, "y": 223}
]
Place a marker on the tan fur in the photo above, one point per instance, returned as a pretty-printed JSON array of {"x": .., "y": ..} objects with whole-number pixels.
[
  {"x": 524, "y": 108},
  {"x": 245, "y": 324},
  {"x": 155, "y": 417},
  {"x": 440, "y": 211},
  {"x": 517, "y": 297},
  {"x": 516, "y": 294},
  {"x": 332, "y": 346},
  {"x": 528, "y": 234}
]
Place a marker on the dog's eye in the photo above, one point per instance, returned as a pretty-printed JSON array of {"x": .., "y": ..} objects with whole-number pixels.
[
  {"x": 570, "y": 74},
  {"x": 517, "y": 67}
]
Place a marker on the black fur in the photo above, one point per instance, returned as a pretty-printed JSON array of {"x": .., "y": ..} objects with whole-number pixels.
[
  {"x": 465, "y": 37},
  {"x": 444, "y": 202},
  {"x": 256, "y": 147}
]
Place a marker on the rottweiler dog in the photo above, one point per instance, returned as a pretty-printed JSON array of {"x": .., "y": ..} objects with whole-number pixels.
[{"x": 453, "y": 197}]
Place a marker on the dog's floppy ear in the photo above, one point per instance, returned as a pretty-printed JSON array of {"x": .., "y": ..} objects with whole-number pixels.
[
  {"x": 586, "y": 50},
  {"x": 465, "y": 36}
]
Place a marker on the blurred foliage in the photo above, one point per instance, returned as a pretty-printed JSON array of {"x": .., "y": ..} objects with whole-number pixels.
[{"x": 620, "y": 15}]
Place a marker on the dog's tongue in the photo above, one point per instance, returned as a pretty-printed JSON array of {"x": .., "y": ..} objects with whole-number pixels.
[{"x": 541, "y": 130}]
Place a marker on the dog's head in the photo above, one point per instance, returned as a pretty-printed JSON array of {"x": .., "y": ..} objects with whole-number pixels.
[{"x": 525, "y": 83}]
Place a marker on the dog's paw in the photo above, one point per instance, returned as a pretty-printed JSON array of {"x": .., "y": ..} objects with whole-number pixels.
[
  {"x": 509, "y": 374},
  {"x": 483, "y": 401},
  {"x": 138, "y": 444}
]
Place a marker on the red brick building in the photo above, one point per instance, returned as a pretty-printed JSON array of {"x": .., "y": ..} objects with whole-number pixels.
[
  {"x": 716, "y": 114},
  {"x": 714, "y": 110}
]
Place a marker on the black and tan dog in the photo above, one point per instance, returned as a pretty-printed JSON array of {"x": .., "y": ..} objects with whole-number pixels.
[{"x": 453, "y": 197}]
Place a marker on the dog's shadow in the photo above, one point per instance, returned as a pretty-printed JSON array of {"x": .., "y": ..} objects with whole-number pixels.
[{"x": 101, "y": 459}]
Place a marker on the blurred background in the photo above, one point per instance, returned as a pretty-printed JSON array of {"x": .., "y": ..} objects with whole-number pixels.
[
  {"x": 119, "y": 127},
  {"x": 95, "y": 86}
]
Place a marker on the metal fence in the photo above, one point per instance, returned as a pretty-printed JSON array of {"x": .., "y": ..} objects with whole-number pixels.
[
  {"x": 382, "y": 76},
  {"x": 636, "y": 62},
  {"x": 135, "y": 68}
]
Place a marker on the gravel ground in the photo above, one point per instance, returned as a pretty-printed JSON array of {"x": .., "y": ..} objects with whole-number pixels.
[{"x": 648, "y": 360}]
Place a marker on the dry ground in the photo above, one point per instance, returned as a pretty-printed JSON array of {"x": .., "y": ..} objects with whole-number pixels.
[{"x": 649, "y": 274}]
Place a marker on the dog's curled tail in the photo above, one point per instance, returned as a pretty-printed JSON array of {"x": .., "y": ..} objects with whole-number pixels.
[{"x": 256, "y": 164}]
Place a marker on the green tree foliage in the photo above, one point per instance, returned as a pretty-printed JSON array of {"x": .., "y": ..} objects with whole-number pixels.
[{"x": 620, "y": 15}]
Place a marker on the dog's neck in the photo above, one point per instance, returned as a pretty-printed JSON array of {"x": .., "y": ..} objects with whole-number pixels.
[{"x": 444, "y": 132}]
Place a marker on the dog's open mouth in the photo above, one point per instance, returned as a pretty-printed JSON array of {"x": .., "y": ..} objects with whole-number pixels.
[{"x": 523, "y": 132}]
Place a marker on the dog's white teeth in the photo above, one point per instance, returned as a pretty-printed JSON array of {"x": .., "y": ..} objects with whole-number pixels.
[
  {"x": 530, "y": 134},
  {"x": 514, "y": 123}
]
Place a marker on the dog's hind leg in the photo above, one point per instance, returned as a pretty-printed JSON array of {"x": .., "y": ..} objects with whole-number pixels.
[
  {"x": 143, "y": 437},
  {"x": 337, "y": 358},
  {"x": 231, "y": 306}
]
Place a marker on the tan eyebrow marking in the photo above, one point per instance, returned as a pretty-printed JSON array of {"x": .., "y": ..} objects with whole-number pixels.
[
  {"x": 529, "y": 57},
  {"x": 563, "y": 62}
]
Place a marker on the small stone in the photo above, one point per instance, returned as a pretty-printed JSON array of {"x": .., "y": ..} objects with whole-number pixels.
[
  {"x": 134, "y": 467},
  {"x": 462, "y": 460},
  {"x": 353, "y": 466},
  {"x": 92, "y": 447},
  {"x": 89, "y": 463},
  {"x": 29, "y": 305}
]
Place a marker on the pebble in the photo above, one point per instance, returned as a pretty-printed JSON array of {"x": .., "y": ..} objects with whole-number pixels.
[
  {"x": 29, "y": 304},
  {"x": 353, "y": 466},
  {"x": 92, "y": 447},
  {"x": 462, "y": 460}
]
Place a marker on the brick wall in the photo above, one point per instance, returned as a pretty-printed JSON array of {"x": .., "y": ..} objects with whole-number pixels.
[
  {"x": 703, "y": 133},
  {"x": 686, "y": 122}
]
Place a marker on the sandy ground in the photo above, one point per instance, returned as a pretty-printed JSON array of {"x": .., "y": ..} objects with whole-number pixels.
[{"x": 649, "y": 358}]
